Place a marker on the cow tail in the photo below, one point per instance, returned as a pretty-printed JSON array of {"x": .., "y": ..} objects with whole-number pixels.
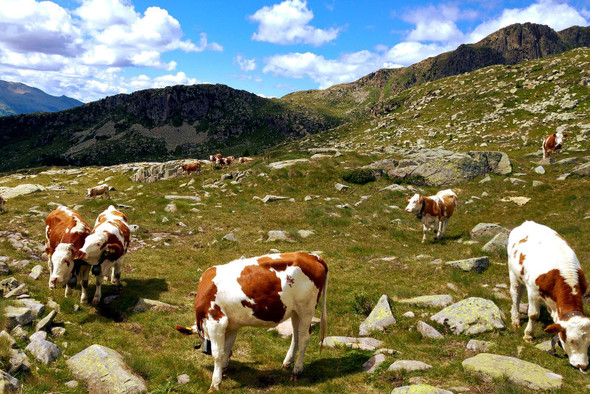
[{"x": 324, "y": 314}]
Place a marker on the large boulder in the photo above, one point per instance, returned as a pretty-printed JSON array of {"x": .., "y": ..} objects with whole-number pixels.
[
  {"x": 419, "y": 389},
  {"x": 17, "y": 316},
  {"x": 477, "y": 264},
  {"x": 154, "y": 172},
  {"x": 20, "y": 190},
  {"x": 444, "y": 168},
  {"x": 380, "y": 317},
  {"x": 582, "y": 170},
  {"x": 497, "y": 244},
  {"x": 470, "y": 316},
  {"x": 519, "y": 372},
  {"x": 44, "y": 351},
  {"x": 105, "y": 371},
  {"x": 487, "y": 230},
  {"x": 430, "y": 301}
]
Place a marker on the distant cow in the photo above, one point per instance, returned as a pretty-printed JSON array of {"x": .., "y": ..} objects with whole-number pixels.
[
  {"x": 98, "y": 190},
  {"x": 105, "y": 247},
  {"x": 65, "y": 233},
  {"x": 192, "y": 167},
  {"x": 434, "y": 211},
  {"x": 213, "y": 158},
  {"x": 552, "y": 144},
  {"x": 260, "y": 291},
  {"x": 541, "y": 261},
  {"x": 244, "y": 159},
  {"x": 2, "y": 204}
]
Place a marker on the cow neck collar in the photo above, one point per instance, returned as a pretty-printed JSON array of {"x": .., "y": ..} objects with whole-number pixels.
[
  {"x": 567, "y": 315},
  {"x": 421, "y": 213}
]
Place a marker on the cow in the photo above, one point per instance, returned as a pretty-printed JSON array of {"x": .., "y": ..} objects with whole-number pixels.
[
  {"x": 2, "y": 204},
  {"x": 244, "y": 159},
  {"x": 262, "y": 292},
  {"x": 434, "y": 211},
  {"x": 213, "y": 158},
  {"x": 97, "y": 191},
  {"x": 65, "y": 233},
  {"x": 541, "y": 261},
  {"x": 105, "y": 248},
  {"x": 552, "y": 144},
  {"x": 192, "y": 167}
]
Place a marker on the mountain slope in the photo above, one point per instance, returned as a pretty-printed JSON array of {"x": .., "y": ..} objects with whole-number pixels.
[{"x": 18, "y": 98}]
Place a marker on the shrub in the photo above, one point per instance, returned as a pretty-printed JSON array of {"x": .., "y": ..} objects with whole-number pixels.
[
  {"x": 359, "y": 176},
  {"x": 361, "y": 304}
]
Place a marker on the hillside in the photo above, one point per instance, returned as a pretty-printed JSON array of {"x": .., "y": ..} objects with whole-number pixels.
[
  {"x": 508, "y": 46},
  {"x": 18, "y": 98},
  {"x": 155, "y": 124}
]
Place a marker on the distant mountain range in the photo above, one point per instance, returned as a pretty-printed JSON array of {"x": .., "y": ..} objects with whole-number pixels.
[
  {"x": 18, "y": 98},
  {"x": 185, "y": 121}
]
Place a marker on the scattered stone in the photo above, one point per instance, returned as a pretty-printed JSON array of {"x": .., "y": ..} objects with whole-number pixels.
[
  {"x": 171, "y": 208},
  {"x": 144, "y": 304},
  {"x": 19, "y": 361},
  {"x": 409, "y": 314},
  {"x": 72, "y": 384},
  {"x": 58, "y": 332},
  {"x": 430, "y": 301},
  {"x": 545, "y": 345},
  {"x": 99, "y": 366},
  {"x": 44, "y": 351},
  {"x": 428, "y": 331},
  {"x": 540, "y": 170},
  {"x": 21, "y": 190},
  {"x": 287, "y": 163},
  {"x": 582, "y": 170},
  {"x": 305, "y": 233},
  {"x": 231, "y": 237},
  {"x": 8, "y": 384},
  {"x": 380, "y": 318},
  {"x": 4, "y": 268},
  {"x": 6, "y": 285},
  {"x": 371, "y": 365},
  {"x": 470, "y": 316},
  {"x": 519, "y": 372},
  {"x": 190, "y": 198},
  {"x": 165, "y": 219},
  {"x": 537, "y": 183},
  {"x": 479, "y": 346},
  {"x": 270, "y": 198},
  {"x": 17, "y": 316},
  {"x": 384, "y": 351},
  {"x": 36, "y": 271},
  {"x": 487, "y": 230},
  {"x": 279, "y": 235},
  {"x": 366, "y": 343},
  {"x": 285, "y": 329},
  {"x": 19, "y": 333},
  {"x": 8, "y": 338},
  {"x": 394, "y": 188},
  {"x": 563, "y": 177},
  {"x": 20, "y": 290},
  {"x": 52, "y": 304},
  {"x": 419, "y": 389},
  {"x": 38, "y": 335},
  {"x": 341, "y": 188},
  {"x": 408, "y": 366},
  {"x": 486, "y": 179},
  {"x": 498, "y": 244},
  {"x": 46, "y": 321},
  {"x": 520, "y": 201},
  {"x": 183, "y": 379},
  {"x": 477, "y": 264}
]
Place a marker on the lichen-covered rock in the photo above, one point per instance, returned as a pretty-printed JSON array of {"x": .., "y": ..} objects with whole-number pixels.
[
  {"x": 477, "y": 264},
  {"x": 380, "y": 318},
  {"x": 479, "y": 346},
  {"x": 46, "y": 321},
  {"x": 498, "y": 244},
  {"x": 470, "y": 316},
  {"x": 487, "y": 230},
  {"x": 279, "y": 235},
  {"x": 408, "y": 366},
  {"x": 17, "y": 316},
  {"x": 144, "y": 304},
  {"x": 105, "y": 371},
  {"x": 44, "y": 351},
  {"x": 21, "y": 190},
  {"x": 430, "y": 301},
  {"x": 419, "y": 389},
  {"x": 428, "y": 331},
  {"x": 371, "y": 365},
  {"x": 517, "y": 371},
  {"x": 366, "y": 343},
  {"x": 36, "y": 307}
]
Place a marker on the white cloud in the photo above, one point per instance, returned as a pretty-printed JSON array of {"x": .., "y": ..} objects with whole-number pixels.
[
  {"x": 436, "y": 23},
  {"x": 244, "y": 63},
  {"x": 287, "y": 23}
]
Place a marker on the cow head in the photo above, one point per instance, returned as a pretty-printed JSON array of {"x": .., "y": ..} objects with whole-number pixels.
[
  {"x": 62, "y": 265},
  {"x": 574, "y": 335},
  {"x": 94, "y": 246},
  {"x": 559, "y": 137},
  {"x": 414, "y": 204}
]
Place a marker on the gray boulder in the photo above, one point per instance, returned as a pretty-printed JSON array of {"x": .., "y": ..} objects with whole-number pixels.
[
  {"x": 45, "y": 323},
  {"x": 428, "y": 331},
  {"x": 36, "y": 271},
  {"x": 35, "y": 306},
  {"x": 279, "y": 235},
  {"x": 497, "y": 244},
  {"x": 519, "y": 372},
  {"x": 419, "y": 389},
  {"x": 380, "y": 318},
  {"x": 6, "y": 285},
  {"x": 17, "y": 316},
  {"x": 470, "y": 316},
  {"x": 4, "y": 268},
  {"x": 362, "y": 343},
  {"x": 487, "y": 230},
  {"x": 144, "y": 304},
  {"x": 285, "y": 329},
  {"x": 44, "y": 351},
  {"x": 154, "y": 172},
  {"x": 8, "y": 384},
  {"x": 371, "y": 365},
  {"x": 21, "y": 190},
  {"x": 105, "y": 371},
  {"x": 430, "y": 301},
  {"x": 479, "y": 346},
  {"x": 408, "y": 366},
  {"x": 18, "y": 361},
  {"x": 582, "y": 170},
  {"x": 477, "y": 264}
]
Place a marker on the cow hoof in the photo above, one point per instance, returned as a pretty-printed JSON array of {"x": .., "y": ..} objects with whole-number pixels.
[
  {"x": 294, "y": 378},
  {"x": 96, "y": 301},
  {"x": 528, "y": 339},
  {"x": 516, "y": 324},
  {"x": 286, "y": 366}
]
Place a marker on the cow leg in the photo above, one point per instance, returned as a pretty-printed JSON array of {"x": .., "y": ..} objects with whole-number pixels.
[
  {"x": 516, "y": 289},
  {"x": 98, "y": 293},
  {"x": 424, "y": 232},
  {"x": 116, "y": 274},
  {"x": 303, "y": 335},
  {"x": 288, "y": 361},
  {"x": 84, "y": 271},
  {"x": 216, "y": 332},
  {"x": 230, "y": 338},
  {"x": 533, "y": 313}
]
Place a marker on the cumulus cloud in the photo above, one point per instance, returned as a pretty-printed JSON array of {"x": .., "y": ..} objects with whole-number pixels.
[
  {"x": 288, "y": 23},
  {"x": 244, "y": 63},
  {"x": 437, "y": 23}
]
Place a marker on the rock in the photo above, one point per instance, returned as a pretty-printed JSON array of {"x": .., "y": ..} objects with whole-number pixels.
[
  {"x": 486, "y": 179},
  {"x": 46, "y": 321},
  {"x": 287, "y": 163},
  {"x": 22, "y": 190},
  {"x": 53, "y": 305},
  {"x": 519, "y": 200},
  {"x": 409, "y": 314},
  {"x": 408, "y": 366},
  {"x": 367, "y": 343},
  {"x": 420, "y": 389},
  {"x": 36, "y": 271},
  {"x": 540, "y": 170},
  {"x": 394, "y": 188},
  {"x": 38, "y": 335},
  {"x": 305, "y": 233},
  {"x": 341, "y": 188},
  {"x": 19, "y": 333},
  {"x": 519, "y": 372},
  {"x": 144, "y": 304},
  {"x": 470, "y": 316},
  {"x": 278, "y": 235},
  {"x": 479, "y": 346},
  {"x": 537, "y": 183},
  {"x": 8, "y": 384},
  {"x": 380, "y": 317},
  {"x": 58, "y": 332},
  {"x": 8, "y": 339},
  {"x": 105, "y": 371},
  {"x": 285, "y": 329},
  {"x": 190, "y": 198},
  {"x": 371, "y": 365},
  {"x": 231, "y": 237},
  {"x": 183, "y": 379},
  {"x": 18, "y": 361},
  {"x": 72, "y": 384},
  {"x": 17, "y": 316},
  {"x": 171, "y": 208},
  {"x": 498, "y": 244},
  {"x": 430, "y": 301},
  {"x": 6, "y": 285},
  {"x": 545, "y": 345},
  {"x": 270, "y": 198},
  {"x": 582, "y": 170},
  {"x": 4, "y": 268},
  {"x": 20, "y": 264},
  {"x": 154, "y": 172},
  {"x": 487, "y": 230},
  {"x": 428, "y": 331},
  {"x": 477, "y": 264},
  {"x": 569, "y": 160},
  {"x": 20, "y": 290},
  {"x": 44, "y": 351}
]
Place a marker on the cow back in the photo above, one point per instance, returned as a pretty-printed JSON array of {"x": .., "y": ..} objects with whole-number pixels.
[{"x": 64, "y": 225}]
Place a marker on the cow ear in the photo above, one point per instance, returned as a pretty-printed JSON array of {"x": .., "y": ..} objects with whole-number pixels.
[
  {"x": 114, "y": 249},
  {"x": 554, "y": 328},
  {"x": 184, "y": 330}
]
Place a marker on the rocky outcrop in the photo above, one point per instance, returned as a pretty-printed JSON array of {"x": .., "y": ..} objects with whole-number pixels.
[
  {"x": 470, "y": 316},
  {"x": 154, "y": 172}
]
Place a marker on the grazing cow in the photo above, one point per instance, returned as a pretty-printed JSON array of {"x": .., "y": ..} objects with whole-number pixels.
[
  {"x": 105, "y": 247},
  {"x": 192, "y": 167},
  {"x": 541, "y": 261},
  {"x": 434, "y": 211},
  {"x": 65, "y": 233},
  {"x": 259, "y": 291},
  {"x": 97, "y": 191},
  {"x": 553, "y": 143},
  {"x": 244, "y": 159},
  {"x": 214, "y": 158},
  {"x": 2, "y": 204}
]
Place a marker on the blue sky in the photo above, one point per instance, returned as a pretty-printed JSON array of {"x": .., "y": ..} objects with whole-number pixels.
[{"x": 89, "y": 49}]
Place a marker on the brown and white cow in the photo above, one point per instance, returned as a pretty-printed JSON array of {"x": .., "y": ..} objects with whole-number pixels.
[
  {"x": 434, "y": 211},
  {"x": 244, "y": 159},
  {"x": 105, "y": 247},
  {"x": 192, "y": 167},
  {"x": 541, "y": 261},
  {"x": 552, "y": 144},
  {"x": 2, "y": 204},
  {"x": 260, "y": 291},
  {"x": 65, "y": 233},
  {"x": 213, "y": 158},
  {"x": 98, "y": 190}
]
